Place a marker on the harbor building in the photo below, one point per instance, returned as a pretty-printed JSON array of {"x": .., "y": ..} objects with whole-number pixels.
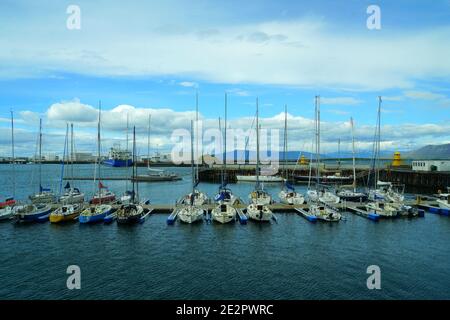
[{"x": 431, "y": 165}]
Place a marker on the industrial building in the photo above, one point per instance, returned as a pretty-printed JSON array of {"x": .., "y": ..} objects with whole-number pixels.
[{"x": 431, "y": 165}]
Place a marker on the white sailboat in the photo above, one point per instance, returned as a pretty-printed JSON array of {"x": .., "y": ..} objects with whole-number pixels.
[
  {"x": 44, "y": 195},
  {"x": 71, "y": 194},
  {"x": 225, "y": 211},
  {"x": 132, "y": 211},
  {"x": 319, "y": 200},
  {"x": 259, "y": 199},
  {"x": 7, "y": 211},
  {"x": 444, "y": 199},
  {"x": 288, "y": 195},
  {"x": 191, "y": 211},
  {"x": 352, "y": 194},
  {"x": 384, "y": 200}
]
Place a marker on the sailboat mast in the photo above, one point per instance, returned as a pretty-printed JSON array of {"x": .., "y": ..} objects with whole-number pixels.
[
  {"x": 65, "y": 158},
  {"x": 192, "y": 158},
  {"x": 353, "y": 153},
  {"x": 133, "y": 177},
  {"x": 71, "y": 151},
  {"x": 13, "y": 155},
  {"x": 98, "y": 150},
  {"x": 40, "y": 155},
  {"x": 148, "y": 141},
  {"x": 196, "y": 135},
  {"x": 378, "y": 144},
  {"x": 225, "y": 143},
  {"x": 317, "y": 141},
  {"x": 257, "y": 145},
  {"x": 223, "y": 171},
  {"x": 285, "y": 142}
]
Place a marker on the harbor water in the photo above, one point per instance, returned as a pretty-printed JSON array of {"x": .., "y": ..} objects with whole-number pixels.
[{"x": 287, "y": 259}]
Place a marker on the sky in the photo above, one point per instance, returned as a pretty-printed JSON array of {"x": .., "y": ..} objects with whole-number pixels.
[{"x": 152, "y": 57}]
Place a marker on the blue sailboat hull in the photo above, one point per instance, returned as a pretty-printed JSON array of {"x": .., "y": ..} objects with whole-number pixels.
[
  {"x": 93, "y": 219},
  {"x": 40, "y": 216}
]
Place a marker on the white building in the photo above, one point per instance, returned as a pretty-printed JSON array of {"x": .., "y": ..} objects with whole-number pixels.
[
  {"x": 431, "y": 165},
  {"x": 84, "y": 156}
]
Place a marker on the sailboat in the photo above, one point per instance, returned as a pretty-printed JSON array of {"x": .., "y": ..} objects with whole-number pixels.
[
  {"x": 320, "y": 193},
  {"x": 44, "y": 195},
  {"x": 100, "y": 210},
  {"x": 444, "y": 199},
  {"x": 7, "y": 207},
  {"x": 381, "y": 195},
  {"x": 103, "y": 195},
  {"x": 319, "y": 200},
  {"x": 126, "y": 197},
  {"x": 132, "y": 212},
  {"x": 191, "y": 211},
  {"x": 288, "y": 195},
  {"x": 347, "y": 194},
  {"x": 225, "y": 211},
  {"x": 153, "y": 174},
  {"x": 200, "y": 198},
  {"x": 259, "y": 199},
  {"x": 71, "y": 194}
]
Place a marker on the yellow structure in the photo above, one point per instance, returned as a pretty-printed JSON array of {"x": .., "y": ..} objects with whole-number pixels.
[
  {"x": 303, "y": 160},
  {"x": 397, "y": 161}
]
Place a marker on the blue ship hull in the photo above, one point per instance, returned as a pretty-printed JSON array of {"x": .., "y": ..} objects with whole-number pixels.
[
  {"x": 118, "y": 163},
  {"x": 39, "y": 216},
  {"x": 93, "y": 219}
]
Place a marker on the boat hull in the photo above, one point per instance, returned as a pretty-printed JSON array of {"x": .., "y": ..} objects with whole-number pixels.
[
  {"x": 118, "y": 163},
  {"x": 35, "y": 216},
  {"x": 94, "y": 217},
  {"x": 224, "y": 214},
  {"x": 261, "y": 178},
  {"x": 261, "y": 214}
]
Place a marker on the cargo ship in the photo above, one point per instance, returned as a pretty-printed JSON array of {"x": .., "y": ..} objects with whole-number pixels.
[{"x": 119, "y": 158}]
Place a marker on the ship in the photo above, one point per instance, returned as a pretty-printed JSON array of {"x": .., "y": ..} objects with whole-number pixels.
[{"x": 118, "y": 158}]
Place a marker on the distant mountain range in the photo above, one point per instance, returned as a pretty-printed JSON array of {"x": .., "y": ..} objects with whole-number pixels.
[{"x": 440, "y": 151}]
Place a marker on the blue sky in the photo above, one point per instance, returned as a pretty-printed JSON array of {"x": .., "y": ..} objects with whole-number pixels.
[{"x": 153, "y": 56}]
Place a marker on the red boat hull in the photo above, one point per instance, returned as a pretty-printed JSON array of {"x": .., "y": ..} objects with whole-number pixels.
[
  {"x": 102, "y": 200},
  {"x": 7, "y": 203}
]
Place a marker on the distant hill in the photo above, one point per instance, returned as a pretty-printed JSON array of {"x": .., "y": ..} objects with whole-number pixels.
[{"x": 440, "y": 151}]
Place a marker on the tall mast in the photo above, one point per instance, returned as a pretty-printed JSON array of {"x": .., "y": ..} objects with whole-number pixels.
[
  {"x": 317, "y": 140},
  {"x": 285, "y": 142},
  {"x": 98, "y": 150},
  {"x": 223, "y": 171},
  {"x": 71, "y": 151},
  {"x": 353, "y": 153},
  {"x": 13, "y": 155},
  {"x": 257, "y": 145},
  {"x": 133, "y": 178},
  {"x": 65, "y": 158},
  {"x": 127, "y": 131},
  {"x": 225, "y": 143},
  {"x": 148, "y": 141},
  {"x": 40, "y": 155},
  {"x": 192, "y": 158},
  {"x": 196, "y": 135},
  {"x": 378, "y": 142}
]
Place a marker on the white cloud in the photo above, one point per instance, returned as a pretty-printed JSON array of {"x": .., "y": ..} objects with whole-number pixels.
[
  {"x": 189, "y": 84},
  {"x": 299, "y": 53},
  {"x": 165, "y": 121},
  {"x": 423, "y": 95},
  {"x": 340, "y": 100},
  {"x": 72, "y": 111}
]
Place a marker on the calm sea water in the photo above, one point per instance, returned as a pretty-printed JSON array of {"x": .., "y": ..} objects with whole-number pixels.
[{"x": 291, "y": 259}]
